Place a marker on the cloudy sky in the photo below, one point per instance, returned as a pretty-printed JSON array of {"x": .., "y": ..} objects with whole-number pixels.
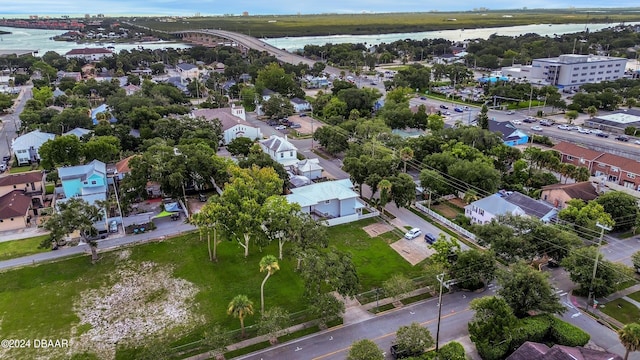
[{"x": 217, "y": 7}]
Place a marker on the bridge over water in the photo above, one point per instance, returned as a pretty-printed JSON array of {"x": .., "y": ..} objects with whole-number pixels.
[{"x": 212, "y": 38}]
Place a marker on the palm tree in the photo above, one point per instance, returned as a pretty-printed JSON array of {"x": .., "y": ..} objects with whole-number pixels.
[
  {"x": 385, "y": 192},
  {"x": 592, "y": 111},
  {"x": 406, "y": 154},
  {"x": 269, "y": 264},
  {"x": 240, "y": 307},
  {"x": 630, "y": 338}
]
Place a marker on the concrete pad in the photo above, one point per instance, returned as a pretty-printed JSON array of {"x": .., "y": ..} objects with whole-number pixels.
[
  {"x": 414, "y": 251},
  {"x": 469, "y": 348},
  {"x": 376, "y": 229}
]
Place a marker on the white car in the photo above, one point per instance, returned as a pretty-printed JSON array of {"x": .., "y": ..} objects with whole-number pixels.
[
  {"x": 280, "y": 127},
  {"x": 510, "y": 112},
  {"x": 596, "y": 131},
  {"x": 412, "y": 234},
  {"x": 637, "y": 142},
  {"x": 564, "y": 127},
  {"x": 516, "y": 122},
  {"x": 536, "y": 128},
  {"x": 584, "y": 131}
]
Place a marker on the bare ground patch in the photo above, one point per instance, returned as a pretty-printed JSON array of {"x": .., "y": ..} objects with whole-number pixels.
[
  {"x": 376, "y": 229},
  {"x": 144, "y": 301},
  {"x": 414, "y": 251}
]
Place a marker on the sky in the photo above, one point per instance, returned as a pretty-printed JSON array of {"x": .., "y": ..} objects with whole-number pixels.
[{"x": 274, "y": 7}]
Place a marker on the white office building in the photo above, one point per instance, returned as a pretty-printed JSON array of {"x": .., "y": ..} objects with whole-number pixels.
[{"x": 569, "y": 71}]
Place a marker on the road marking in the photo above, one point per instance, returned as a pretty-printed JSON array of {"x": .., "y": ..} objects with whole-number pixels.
[
  {"x": 390, "y": 334},
  {"x": 298, "y": 348}
]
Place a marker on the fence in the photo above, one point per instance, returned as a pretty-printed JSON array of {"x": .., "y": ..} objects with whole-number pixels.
[
  {"x": 351, "y": 218},
  {"x": 459, "y": 229}
]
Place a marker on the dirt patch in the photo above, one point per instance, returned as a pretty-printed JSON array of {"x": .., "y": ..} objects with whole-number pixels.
[
  {"x": 144, "y": 301},
  {"x": 414, "y": 251},
  {"x": 458, "y": 202},
  {"x": 376, "y": 229},
  {"x": 445, "y": 210}
]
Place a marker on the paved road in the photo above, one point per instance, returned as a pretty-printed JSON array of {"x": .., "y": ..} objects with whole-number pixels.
[
  {"x": 11, "y": 122},
  {"x": 334, "y": 344}
]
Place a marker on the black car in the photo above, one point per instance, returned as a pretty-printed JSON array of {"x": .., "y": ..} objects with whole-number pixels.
[
  {"x": 603, "y": 134},
  {"x": 529, "y": 120},
  {"x": 545, "y": 123},
  {"x": 6, "y": 159},
  {"x": 272, "y": 122},
  {"x": 444, "y": 107},
  {"x": 622, "y": 138}
]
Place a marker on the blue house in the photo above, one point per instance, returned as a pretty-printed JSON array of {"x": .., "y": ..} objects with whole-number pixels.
[
  {"x": 101, "y": 109},
  {"x": 511, "y": 135},
  {"x": 86, "y": 181}
]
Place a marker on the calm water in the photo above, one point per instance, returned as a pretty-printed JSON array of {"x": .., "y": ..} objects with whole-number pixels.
[
  {"x": 36, "y": 39},
  {"x": 294, "y": 43}
]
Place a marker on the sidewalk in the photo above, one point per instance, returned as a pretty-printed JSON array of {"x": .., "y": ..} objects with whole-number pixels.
[
  {"x": 580, "y": 303},
  {"x": 21, "y": 234}
]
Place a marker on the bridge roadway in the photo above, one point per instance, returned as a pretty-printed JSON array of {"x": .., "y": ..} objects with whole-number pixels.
[{"x": 257, "y": 44}]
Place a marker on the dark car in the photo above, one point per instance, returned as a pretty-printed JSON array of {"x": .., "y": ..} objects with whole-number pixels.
[
  {"x": 272, "y": 122},
  {"x": 545, "y": 123},
  {"x": 622, "y": 138},
  {"x": 602, "y": 134},
  {"x": 444, "y": 107},
  {"x": 529, "y": 120},
  {"x": 430, "y": 238},
  {"x": 423, "y": 98},
  {"x": 458, "y": 109},
  {"x": 303, "y": 115},
  {"x": 295, "y": 126}
]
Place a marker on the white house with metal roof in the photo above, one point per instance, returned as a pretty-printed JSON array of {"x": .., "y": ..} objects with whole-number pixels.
[
  {"x": 233, "y": 122},
  {"x": 309, "y": 168},
  {"x": 508, "y": 203},
  {"x": 334, "y": 201},
  {"x": 78, "y": 132},
  {"x": 280, "y": 150},
  {"x": 26, "y": 147}
]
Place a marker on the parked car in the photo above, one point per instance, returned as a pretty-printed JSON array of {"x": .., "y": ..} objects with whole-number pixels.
[
  {"x": 303, "y": 115},
  {"x": 430, "y": 238},
  {"x": 605, "y": 135},
  {"x": 280, "y": 127},
  {"x": 412, "y": 234},
  {"x": 584, "y": 131},
  {"x": 272, "y": 123},
  {"x": 564, "y": 127},
  {"x": 529, "y": 120},
  {"x": 545, "y": 123},
  {"x": 113, "y": 226},
  {"x": 295, "y": 126},
  {"x": 3, "y": 168},
  {"x": 510, "y": 112},
  {"x": 444, "y": 107},
  {"x": 423, "y": 98},
  {"x": 6, "y": 159},
  {"x": 622, "y": 138},
  {"x": 458, "y": 109},
  {"x": 516, "y": 122},
  {"x": 536, "y": 128},
  {"x": 446, "y": 113}
]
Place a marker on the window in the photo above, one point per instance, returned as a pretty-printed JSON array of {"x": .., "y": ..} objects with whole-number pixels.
[
  {"x": 327, "y": 201},
  {"x": 614, "y": 169},
  {"x": 569, "y": 157},
  {"x": 291, "y": 153},
  {"x": 631, "y": 176},
  {"x": 93, "y": 182}
]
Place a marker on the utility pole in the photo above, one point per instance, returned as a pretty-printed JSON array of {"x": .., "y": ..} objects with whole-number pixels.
[
  {"x": 595, "y": 262},
  {"x": 440, "y": 278},
  {"x": 530, "y": 98}
]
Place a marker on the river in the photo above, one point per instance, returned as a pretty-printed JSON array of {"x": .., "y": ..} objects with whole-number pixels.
[{"x": 40, "y": 40}]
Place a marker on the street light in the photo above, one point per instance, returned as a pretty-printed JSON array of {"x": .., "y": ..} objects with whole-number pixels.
[
  {"x": 595, "y": 263},
  {"x": 530, "y": 97}
]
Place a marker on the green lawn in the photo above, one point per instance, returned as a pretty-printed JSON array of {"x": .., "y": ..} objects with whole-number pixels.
[
  {"x": 16, "y": 248},
  {"x": 40, "y": 299},
  {"x": 635, "y": 296},
  {"x": 622, "y": 310},
  {"x": 21, "y": 169}
]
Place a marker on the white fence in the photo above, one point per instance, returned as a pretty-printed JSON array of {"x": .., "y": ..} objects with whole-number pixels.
[
  {"x": 450, "y": 224},
  {"x": 351, "y": 218}
]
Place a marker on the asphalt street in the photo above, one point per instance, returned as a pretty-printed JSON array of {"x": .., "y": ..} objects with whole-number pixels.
[{"x": 11, "y": 121}]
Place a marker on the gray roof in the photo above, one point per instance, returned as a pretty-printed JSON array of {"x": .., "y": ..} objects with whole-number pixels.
[
  {"x": 506, "y": 128},
  {"x": 186, "y": 67},
  {"x": 278, "y": 144},
  {"x": 227, "y": 120},
  {"x": 496, "y": 205},
  {"x": 33, "y": 139},
  {"x": 314, "y": 194},
  {"x": 299, "y": 101},
  {"x": 78, "y": 132},
  {"x": 82, "y": 171},
  {"x": 530, "y": 206}
]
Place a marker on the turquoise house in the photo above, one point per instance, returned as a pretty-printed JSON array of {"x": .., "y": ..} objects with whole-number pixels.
[{"x": 86, "y": 181}]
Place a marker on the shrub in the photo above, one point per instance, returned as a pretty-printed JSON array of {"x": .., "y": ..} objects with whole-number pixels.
[
  {"x": 452, "y": 351},
  {"x": 530, "y": 329},
  {"x": 489, "y": 351},
  {"x": 564, "y": 333}
]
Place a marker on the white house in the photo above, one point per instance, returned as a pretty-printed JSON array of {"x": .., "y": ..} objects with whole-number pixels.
[
  {"x": 233, "y": 121},
  {"x": 26, "y": 147},
  {"x": 78, "y": 132},
  {"x": 89, "y": 54},
  {"x": 300, "y": 105},
  {"x": 188, "y": 71},
  {"x": 267, "y": 93},
  {"x": 309, "y": 168},
  {"x": 334, "y": 201},
  {"x": 280, "y": 150},
  {"x": 508, "y": 203}
]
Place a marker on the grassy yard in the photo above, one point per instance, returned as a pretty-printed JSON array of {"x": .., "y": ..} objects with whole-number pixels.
[
  {"x": 16, "y": 248},
  {"x": 635, "y": 296},
  {"x": 48, "y": 300},
  {"x": 622, "y": 310},
  {"x": 21, "y": 169}
]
